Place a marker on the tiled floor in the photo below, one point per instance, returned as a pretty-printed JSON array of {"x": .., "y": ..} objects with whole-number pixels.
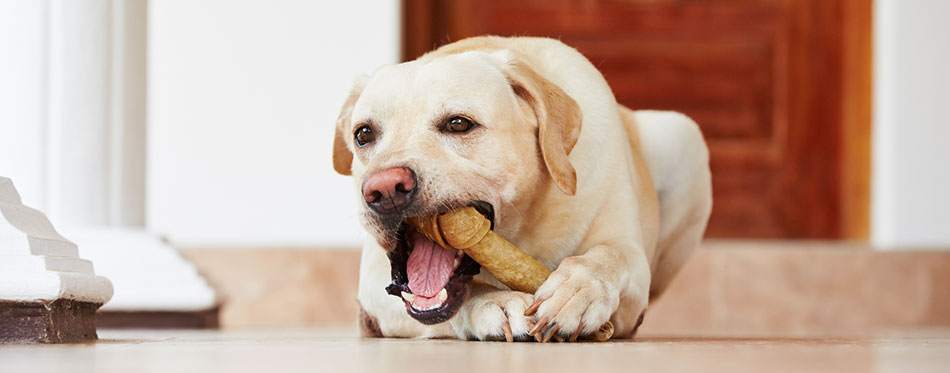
[{"x": 278, "y": 351}]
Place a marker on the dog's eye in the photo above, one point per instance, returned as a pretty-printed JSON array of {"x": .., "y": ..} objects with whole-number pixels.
[
  {"x": 364, "y": 135},
  {"x": 458, "y": 124}
]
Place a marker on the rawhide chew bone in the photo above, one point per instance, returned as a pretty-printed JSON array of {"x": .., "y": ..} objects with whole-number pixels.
[{"x": 466, "y": 229}]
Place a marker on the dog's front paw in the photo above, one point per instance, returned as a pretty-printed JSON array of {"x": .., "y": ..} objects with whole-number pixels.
[
  {"x": 495, "y": 315},
  {"x": 574, "y": 301}
]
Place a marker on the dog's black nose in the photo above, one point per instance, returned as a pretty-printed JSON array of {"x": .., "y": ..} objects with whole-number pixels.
[{"x": 389, "y": 190}]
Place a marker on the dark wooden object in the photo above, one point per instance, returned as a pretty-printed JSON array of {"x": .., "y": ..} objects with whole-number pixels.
[
  {"x": 59, "y": 321},
  {"x": 202, "y": 319}
]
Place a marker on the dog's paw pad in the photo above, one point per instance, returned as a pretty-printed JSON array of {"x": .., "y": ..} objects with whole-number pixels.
[
  {"x": 497, "y": 316},
  {"x": 573, "y": 302}
]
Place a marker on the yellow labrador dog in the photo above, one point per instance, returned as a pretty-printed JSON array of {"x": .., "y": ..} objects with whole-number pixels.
[{"x": 526, "y": 130}]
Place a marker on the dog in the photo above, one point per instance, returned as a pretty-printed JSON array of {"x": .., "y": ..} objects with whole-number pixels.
[{"x": 527, "y": 131}]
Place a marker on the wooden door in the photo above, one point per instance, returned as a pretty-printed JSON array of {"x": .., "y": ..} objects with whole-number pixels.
[{"x": 765, "y": 79}]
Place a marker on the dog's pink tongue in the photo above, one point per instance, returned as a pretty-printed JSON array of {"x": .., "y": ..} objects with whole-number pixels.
[{"x": 429, "y": 266}]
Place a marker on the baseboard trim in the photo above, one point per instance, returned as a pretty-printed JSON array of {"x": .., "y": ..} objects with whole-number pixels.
[
  {"x": 729, "y": 288},
  {"x": 201, "y": 319}
]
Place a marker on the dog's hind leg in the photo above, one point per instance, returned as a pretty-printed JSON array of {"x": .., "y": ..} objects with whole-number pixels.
[{"x": 679, "y": 163}]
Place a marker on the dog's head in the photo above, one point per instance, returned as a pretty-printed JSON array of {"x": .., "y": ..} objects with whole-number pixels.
[{"x": 425, "y": 137}]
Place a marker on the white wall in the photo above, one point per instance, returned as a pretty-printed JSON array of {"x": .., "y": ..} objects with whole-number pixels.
[
  {"x": 65, "y": 123},
  {"x": 911, "y": 140},
  {"x": 23, "y": 109},
  {"x": 241, "y": 103}
]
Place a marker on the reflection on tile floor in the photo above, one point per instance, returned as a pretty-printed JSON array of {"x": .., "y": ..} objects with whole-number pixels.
[{"x": 328, "y": 350}]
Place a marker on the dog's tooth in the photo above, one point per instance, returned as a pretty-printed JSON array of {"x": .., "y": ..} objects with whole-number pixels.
[
  {"x": 455, "y": 263},
  {"x": 408, "y": 297},
  {"x": 443, "y": 295}
]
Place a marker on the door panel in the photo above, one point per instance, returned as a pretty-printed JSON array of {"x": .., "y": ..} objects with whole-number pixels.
[{"x": 761, "y": 77}]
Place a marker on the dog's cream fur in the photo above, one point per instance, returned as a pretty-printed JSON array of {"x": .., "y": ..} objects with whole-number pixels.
[{"x": 613, "y": 200}]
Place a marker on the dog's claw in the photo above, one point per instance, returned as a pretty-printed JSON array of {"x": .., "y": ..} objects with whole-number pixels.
[
  {"x": 542, "y": 323},
  {"x": 533, "y": 307},
  {"x": 577, "y": 332},
  {"x": 550, "y": 333},
  {"x": 507, "y": 330}
]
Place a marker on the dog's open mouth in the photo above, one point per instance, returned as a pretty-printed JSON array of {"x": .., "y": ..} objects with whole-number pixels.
[{"x": 432, "y": 281}]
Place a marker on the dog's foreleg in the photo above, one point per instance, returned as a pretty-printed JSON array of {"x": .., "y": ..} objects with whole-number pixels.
[
  {"x": 586, "y": 291},
  {"x": 493, "y": 314}
]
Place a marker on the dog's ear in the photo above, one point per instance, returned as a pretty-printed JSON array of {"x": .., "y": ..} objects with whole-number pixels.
[
  {"x": 559, "y": 121},
  {"x": 342, "y": 156}
]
